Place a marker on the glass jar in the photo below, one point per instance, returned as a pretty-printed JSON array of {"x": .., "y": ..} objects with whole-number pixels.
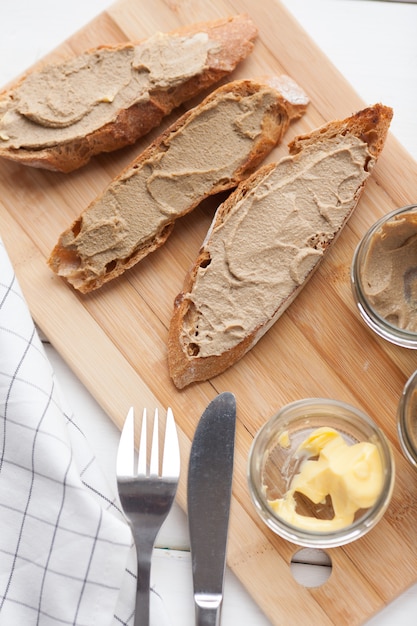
[
  {"x": 369, "y": 298},
  {"x": 273, "y": 462},
  {"x": 407, "y": 419}
]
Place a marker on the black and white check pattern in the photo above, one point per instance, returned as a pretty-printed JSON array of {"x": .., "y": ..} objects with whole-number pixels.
[{"x": 66, "y": 553}]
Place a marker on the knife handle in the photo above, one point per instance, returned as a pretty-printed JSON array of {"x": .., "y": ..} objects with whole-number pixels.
[{"x": 208, "y": 609}]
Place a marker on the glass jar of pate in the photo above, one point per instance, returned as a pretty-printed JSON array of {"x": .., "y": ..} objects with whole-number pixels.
[
  {"x": 275, "y": 461},
  {"x": 384, "y": 277}
]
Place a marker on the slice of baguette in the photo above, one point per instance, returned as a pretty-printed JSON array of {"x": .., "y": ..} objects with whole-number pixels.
[
  {"x": 58, "y": 117},
  {"x": 211, "y": 148},
  {"x": 266, "y": 240}
]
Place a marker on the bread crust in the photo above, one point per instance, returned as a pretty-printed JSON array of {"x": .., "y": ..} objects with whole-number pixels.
[
  {"x": 370, "y": 125},
  {"x": 235, "y": 36},
  {"x": 67, "y": 261}
]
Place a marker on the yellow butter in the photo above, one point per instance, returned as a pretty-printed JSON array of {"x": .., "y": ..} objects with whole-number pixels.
[
  {"x": 352, "y": 475},
  {"x": 284, "y": 439}
]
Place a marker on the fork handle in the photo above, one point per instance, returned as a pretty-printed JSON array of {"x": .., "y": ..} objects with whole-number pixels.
[{"x": 143, "y": 585}]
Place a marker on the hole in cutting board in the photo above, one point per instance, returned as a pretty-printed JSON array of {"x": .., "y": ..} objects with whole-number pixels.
[{"x": 311, "y": 567}]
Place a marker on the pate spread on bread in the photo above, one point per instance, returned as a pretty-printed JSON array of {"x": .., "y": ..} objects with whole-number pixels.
[
  {"x": 211, "y": 148},
  {"x": 266, "y": 240},
  {"x": 61, "y": 115}
]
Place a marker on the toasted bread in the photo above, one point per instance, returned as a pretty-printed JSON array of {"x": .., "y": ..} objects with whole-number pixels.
[
  {"x": 211, "y": 148},
  {"x": 61, "y": 115},
  {"x": 265, "y": 242}
]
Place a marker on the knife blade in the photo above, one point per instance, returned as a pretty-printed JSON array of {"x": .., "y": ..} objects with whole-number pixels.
[{"x": 209, "y": 491}]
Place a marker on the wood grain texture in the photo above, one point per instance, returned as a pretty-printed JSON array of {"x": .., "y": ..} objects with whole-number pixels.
[{"x": 115, "y": 339}]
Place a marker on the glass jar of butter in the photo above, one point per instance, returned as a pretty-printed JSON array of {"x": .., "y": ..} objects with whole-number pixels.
[
  {"x": 320, "y": 473},
  {"x": 384, "y": 277}
]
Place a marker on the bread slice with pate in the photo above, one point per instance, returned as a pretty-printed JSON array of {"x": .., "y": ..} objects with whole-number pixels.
[
  {"x": 61, "y": 115},
  {"x": 266, "y": 240},
  {"x": 211, "y": 148}
]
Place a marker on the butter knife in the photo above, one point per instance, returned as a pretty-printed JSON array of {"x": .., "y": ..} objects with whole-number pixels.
[{"x": 209, "y": 491}]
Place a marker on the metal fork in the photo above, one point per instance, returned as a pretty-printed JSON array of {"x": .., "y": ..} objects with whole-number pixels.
[{"x": 147, "y": 494}]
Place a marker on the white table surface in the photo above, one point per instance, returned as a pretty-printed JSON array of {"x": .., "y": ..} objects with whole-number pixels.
[{"x": 374, "y": 44}]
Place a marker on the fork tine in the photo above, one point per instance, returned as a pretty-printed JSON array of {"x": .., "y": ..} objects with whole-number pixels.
[
  {"x": 171, "y": 458},
  {"x": 125, "y": 460},
  {"x": 154, "y": 464},
  {"x": 142, "y": 462}
]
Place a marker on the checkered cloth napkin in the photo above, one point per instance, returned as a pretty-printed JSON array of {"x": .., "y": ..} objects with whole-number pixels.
[{"x": 66, "y": 553}]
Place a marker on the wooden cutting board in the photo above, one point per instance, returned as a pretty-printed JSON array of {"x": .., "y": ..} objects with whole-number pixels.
[{"x": 115, "y": 338}]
